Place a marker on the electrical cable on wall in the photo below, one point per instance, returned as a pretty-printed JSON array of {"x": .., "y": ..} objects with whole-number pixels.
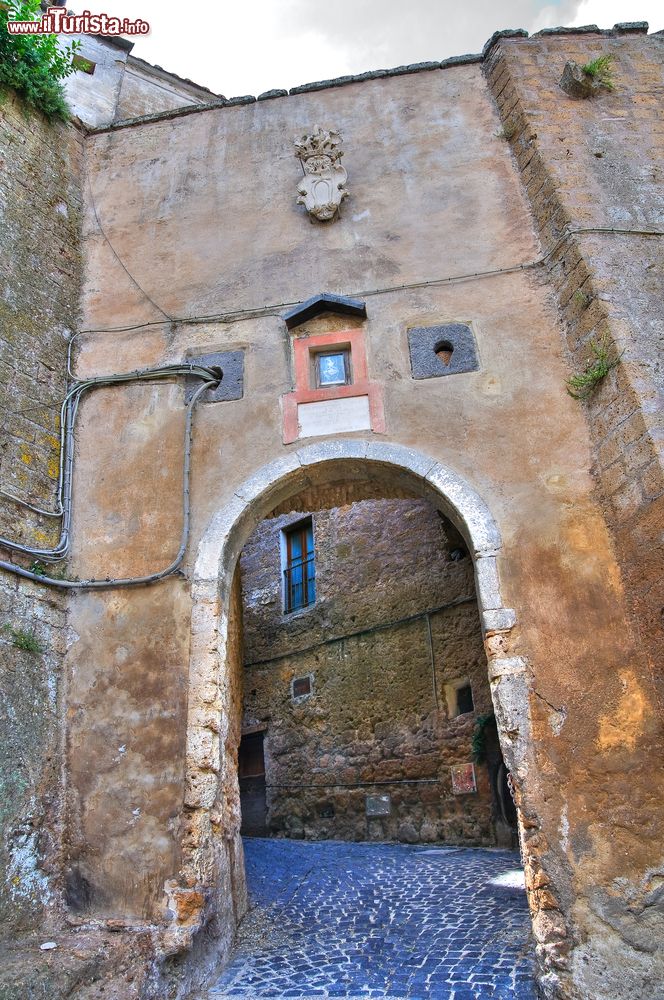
[
  {"x": 371, "y": 630},
  {"x": 210, "y": 378},
  {"x": 258, "y": 312}
]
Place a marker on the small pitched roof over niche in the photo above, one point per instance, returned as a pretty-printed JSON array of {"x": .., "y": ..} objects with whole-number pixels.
[{"x": 324, "y": 302}]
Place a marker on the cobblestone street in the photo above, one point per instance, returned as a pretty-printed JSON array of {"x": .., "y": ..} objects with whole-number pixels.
[{"x": 333, "y": 919}]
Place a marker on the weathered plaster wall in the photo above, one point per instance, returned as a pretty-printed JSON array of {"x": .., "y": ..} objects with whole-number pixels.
[
  {"x": 584, "y": 164},
  {"x": 122, "y": 86},
  {"x": 125, "y": 792},
  {"x": 200, "y": 209},
  {"x": 378, "y": 712},
  {"x": 93, "y": 98},
  {"x": 145, "y": 90},
  {"x": 40, "y": 203}
]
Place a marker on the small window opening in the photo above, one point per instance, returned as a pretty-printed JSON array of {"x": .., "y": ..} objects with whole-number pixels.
[
  {"x": 464, "y": 700},
  {"x": 332, "y": 368},
  {"x": 301, "y": 687},
  {"x": 443, "y": 351},
  {"x": 298, "y": 569},
  {"x": 83, "y": 65},
  {"x": 459, "y": 698}
]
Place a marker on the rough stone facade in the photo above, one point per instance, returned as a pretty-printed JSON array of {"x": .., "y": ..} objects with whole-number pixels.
[
  {"x": 40, "y": 207},
  {"x": 377, "y": 720},
  {"x": 591, "y": 168},
  {"x": 470, "y": 182}
]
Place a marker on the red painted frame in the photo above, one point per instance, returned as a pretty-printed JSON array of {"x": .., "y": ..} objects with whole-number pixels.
[{"x": 303, "y": 348}]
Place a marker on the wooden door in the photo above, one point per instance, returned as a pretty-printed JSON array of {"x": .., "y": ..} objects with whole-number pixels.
[{"x": 251, "y": 774}]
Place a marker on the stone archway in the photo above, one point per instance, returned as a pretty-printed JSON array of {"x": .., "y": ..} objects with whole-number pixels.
[{"x": 212, "y": 876}]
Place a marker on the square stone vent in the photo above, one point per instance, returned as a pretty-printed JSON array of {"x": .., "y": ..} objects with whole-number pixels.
[
  {"x": 378, "y": 805},
  {"x": 232, "y": 384},
  {"x": 448, "y": 349}
]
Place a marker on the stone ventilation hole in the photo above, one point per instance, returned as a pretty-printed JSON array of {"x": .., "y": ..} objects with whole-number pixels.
[{"x": 443, "y": 351}]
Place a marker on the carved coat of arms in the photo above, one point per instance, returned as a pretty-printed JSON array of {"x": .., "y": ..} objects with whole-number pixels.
[{"x": 322, "y": 189}]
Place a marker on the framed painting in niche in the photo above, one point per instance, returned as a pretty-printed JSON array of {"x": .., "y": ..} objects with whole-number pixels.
[{"x": 332, "y": 368}]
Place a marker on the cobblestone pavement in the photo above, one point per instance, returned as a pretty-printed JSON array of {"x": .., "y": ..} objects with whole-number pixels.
[{"x": 332, "y": 919}]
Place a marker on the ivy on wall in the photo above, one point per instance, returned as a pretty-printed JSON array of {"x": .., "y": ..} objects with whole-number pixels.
[
  {"x": 34, "y": 65},
  {"x": 479, "y": 736}
]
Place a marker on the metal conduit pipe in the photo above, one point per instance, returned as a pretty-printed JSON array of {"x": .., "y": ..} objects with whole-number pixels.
[
  {"x": 68, "y": 415},
  {"x": 210, "y": 377}
]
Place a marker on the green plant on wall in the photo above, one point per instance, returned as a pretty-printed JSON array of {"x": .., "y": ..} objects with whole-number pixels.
[
  {"x": 21, "y": 639},
  {"x": 478, "y": 742},
  {"x": 41, "y": 569},
  {"x": 507, "y": 132},
  {"x": 600, "y": 70},
  {"x": 581, "y": 299},
  {"x": 602, "y": 359},
  {"x": 34, "y": 65}
]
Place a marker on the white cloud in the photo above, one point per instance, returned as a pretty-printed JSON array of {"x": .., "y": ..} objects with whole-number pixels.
[
  {"x": 606, "y": 13},
  {"x": 261, "y": 44}
]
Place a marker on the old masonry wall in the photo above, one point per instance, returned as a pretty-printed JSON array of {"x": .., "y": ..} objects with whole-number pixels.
[
  {"x": 40, "y": 212},
  {"x": 183, "y": 256},
  {"x": 394, "y": 625}
]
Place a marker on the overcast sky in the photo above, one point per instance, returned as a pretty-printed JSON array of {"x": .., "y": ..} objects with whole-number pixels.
[{"x": 246, "y": 48}]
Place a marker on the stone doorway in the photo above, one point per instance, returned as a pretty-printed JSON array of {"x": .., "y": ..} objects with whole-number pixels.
[
  {"x": 301, "y": 481},
  {"x": 251, "y": 779}
]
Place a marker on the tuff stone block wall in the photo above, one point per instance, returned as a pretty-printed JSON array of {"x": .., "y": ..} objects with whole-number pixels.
[
  {"x": 377, "y": 721},
  {"x": 594, "y": 165},
  {"x": 591, "y": 172},
  {"x": 40, "y": 202}
]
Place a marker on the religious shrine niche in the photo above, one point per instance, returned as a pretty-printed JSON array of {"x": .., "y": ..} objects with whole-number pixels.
[{"x": 333, "y": 393}]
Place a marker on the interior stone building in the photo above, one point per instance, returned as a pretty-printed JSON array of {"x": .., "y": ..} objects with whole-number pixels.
[
  {"x": 398, "y": 326},
  {"x": 364, "y": 677}
]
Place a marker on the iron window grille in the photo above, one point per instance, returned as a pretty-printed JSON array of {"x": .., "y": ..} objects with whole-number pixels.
[{"x": 299, "y": 572}]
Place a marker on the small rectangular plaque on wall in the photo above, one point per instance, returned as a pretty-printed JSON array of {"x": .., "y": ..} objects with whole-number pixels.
[
  {"x": 334, "y": 416},
  {"x": 463, "y": 779},
  {"x": 378, "y": 805}
]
